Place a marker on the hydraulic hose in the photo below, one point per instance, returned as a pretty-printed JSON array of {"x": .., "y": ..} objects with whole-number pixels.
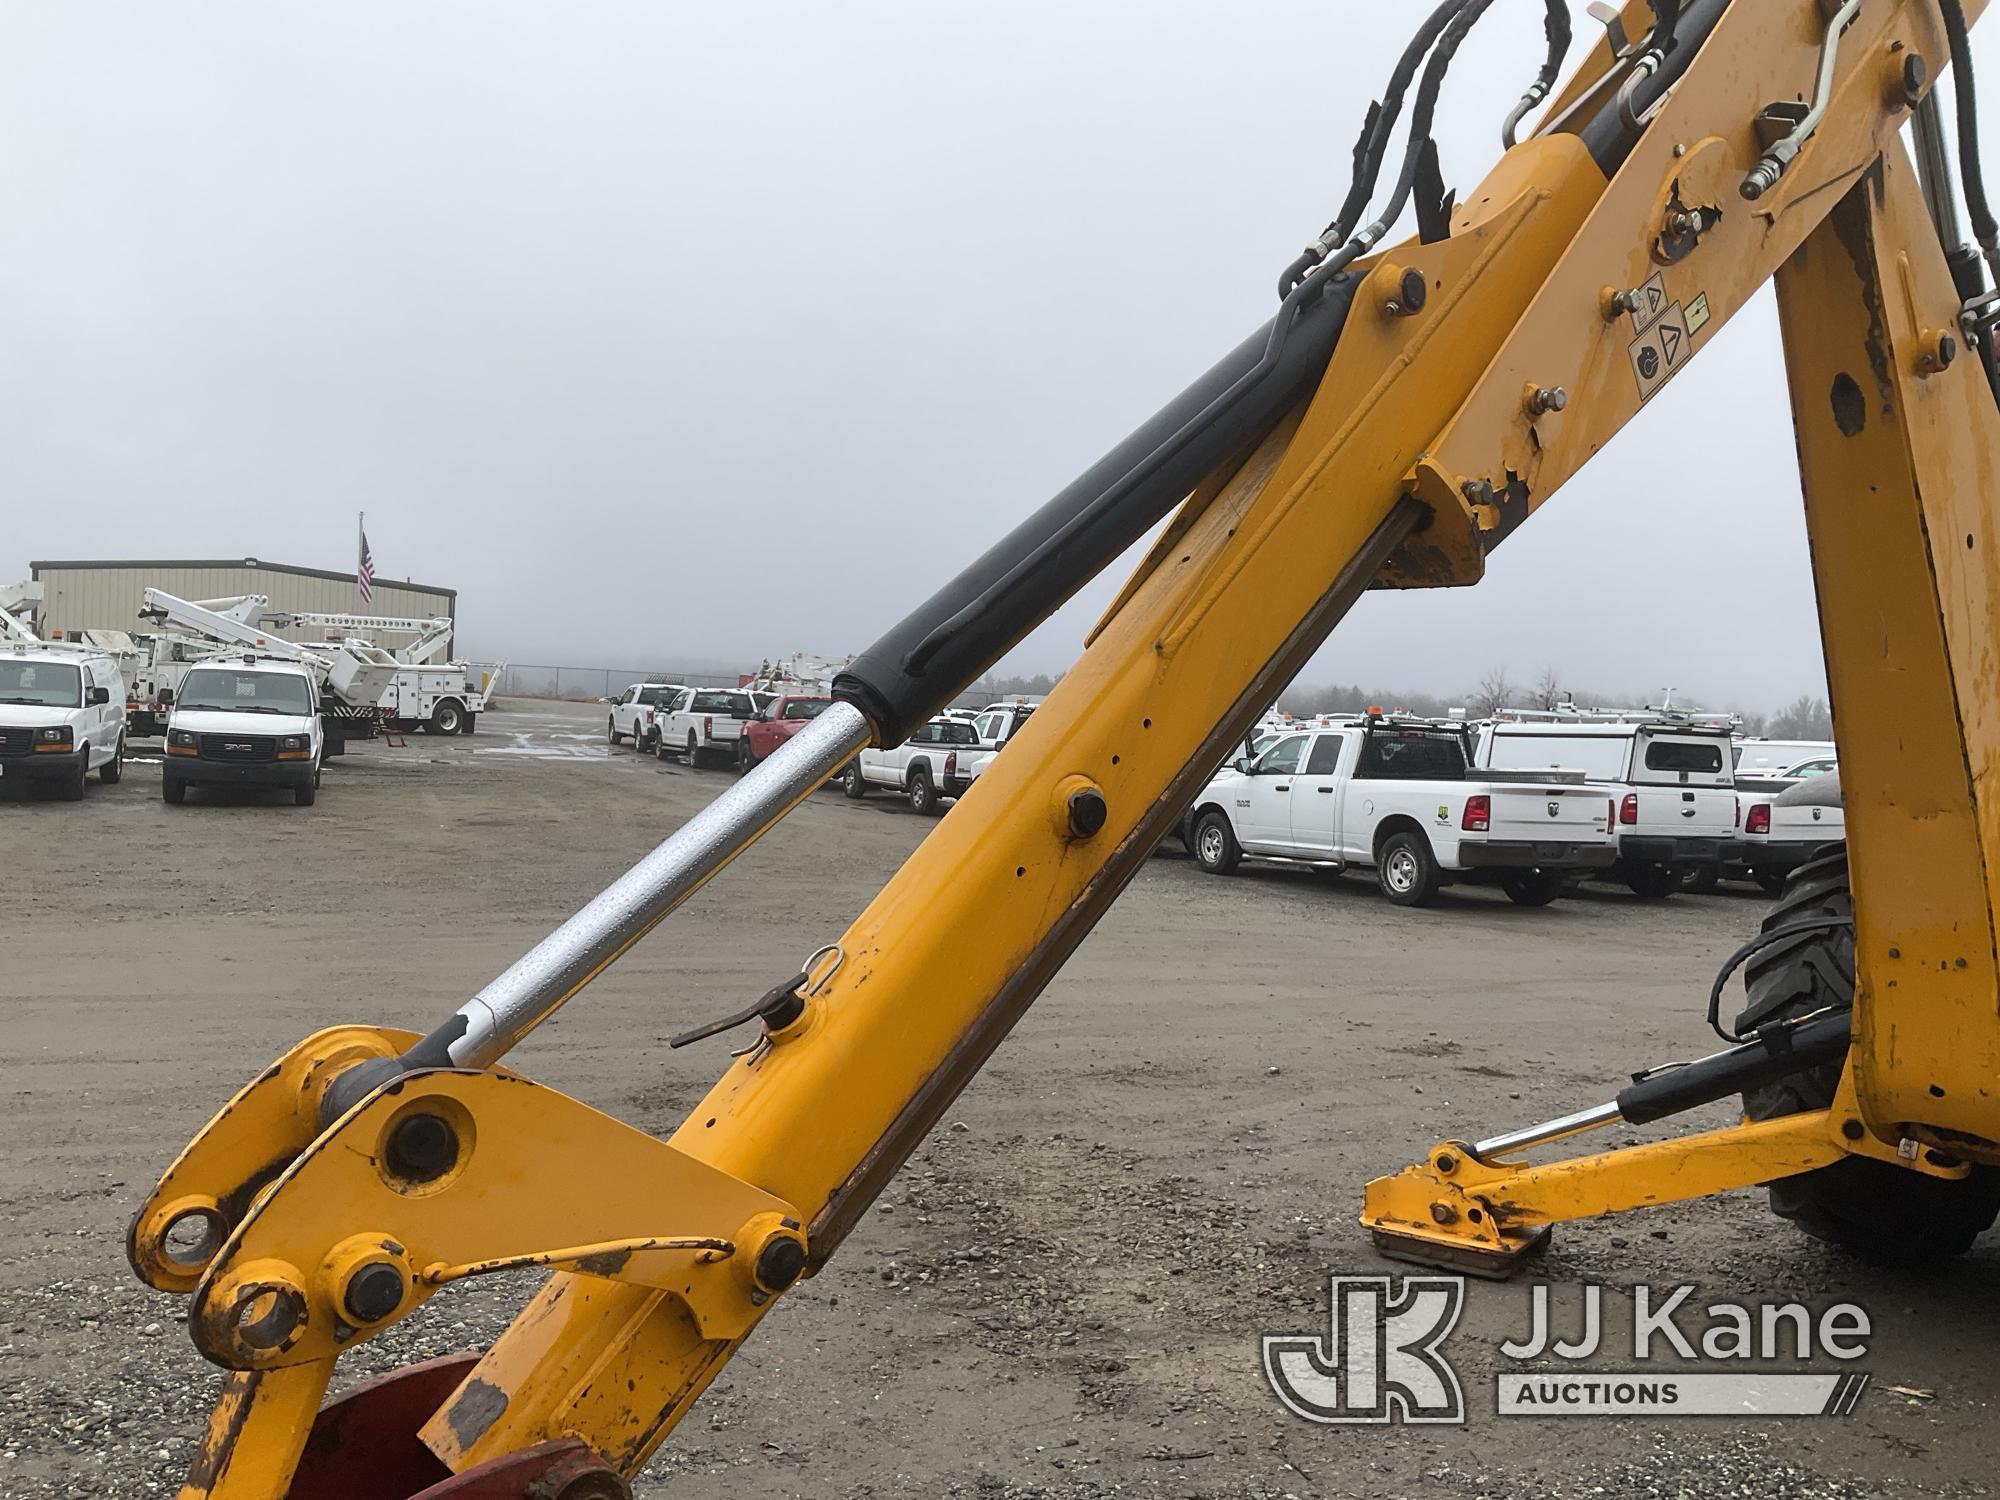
[
  {"x": 1556, "y": 27},
  {"x": 1373, "y": 146},
  {"x": 1965, "y": 98}
]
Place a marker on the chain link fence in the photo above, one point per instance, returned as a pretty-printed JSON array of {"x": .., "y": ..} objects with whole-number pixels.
[{"x": 589, "y": 684}]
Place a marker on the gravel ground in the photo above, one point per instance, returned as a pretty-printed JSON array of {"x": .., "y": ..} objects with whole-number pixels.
[{"x": 1063, "y": 1294}]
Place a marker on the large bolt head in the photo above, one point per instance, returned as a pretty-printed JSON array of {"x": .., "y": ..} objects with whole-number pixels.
[
  {"x": 422, "y": 1147},
  {"x": 1413, "y": 292},
  {"x": 1087, "y": 812},
  {"x": 780, "y": 1263},
  {"x": 373, "y": 1293}
]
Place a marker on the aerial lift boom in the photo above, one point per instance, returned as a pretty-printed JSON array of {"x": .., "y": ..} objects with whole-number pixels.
[
  {"x": 1402, "y": 414},
  {"x": 15, "y": 598},
  {"x": 428, "y": 637},
  {"x": 355, "y": 673}
]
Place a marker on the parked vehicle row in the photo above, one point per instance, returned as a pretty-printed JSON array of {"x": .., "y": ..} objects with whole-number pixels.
[{"x": 1530, "y": 802}]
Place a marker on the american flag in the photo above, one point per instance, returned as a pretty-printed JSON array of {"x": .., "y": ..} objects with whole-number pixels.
[{"x": 364, "y": 573}]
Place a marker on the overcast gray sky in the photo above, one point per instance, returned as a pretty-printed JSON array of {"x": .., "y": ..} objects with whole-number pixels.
[{"x": 676, "y": 331}]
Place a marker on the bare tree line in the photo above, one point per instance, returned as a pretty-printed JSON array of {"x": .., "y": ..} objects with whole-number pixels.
[{"x": 1806, "y": 717}]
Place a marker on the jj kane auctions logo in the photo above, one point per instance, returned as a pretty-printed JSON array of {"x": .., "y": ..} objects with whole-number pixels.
[{"x": 1383, "y": 1359}]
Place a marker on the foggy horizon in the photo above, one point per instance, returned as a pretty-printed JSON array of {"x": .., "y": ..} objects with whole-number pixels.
[{"x": 708, "y": 336}]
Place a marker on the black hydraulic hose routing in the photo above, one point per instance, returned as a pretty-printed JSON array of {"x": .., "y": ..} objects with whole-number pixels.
[
  {"x": 1369, "y": 151},
  {"x": 1556, "y": 27},
  {"x": 1966, "y": 102}
]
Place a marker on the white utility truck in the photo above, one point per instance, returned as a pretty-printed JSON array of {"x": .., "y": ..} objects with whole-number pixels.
[
  {"x": 927, "y": 768},
  {"x": 437, "y": 697},
  {"x": 1671, "y": 774},
  {"x": 349, "y": 676},
  {"x": 62, "y": 712},
  {"x": 1399, "y": 796},
  {"x": 245, "y": 719}
]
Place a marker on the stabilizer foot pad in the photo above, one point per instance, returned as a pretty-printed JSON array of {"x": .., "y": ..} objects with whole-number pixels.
[{"x": 1457, "y": 1255}]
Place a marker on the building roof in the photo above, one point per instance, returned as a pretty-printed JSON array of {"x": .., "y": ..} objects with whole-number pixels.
[{"x": 35, "y": 570}]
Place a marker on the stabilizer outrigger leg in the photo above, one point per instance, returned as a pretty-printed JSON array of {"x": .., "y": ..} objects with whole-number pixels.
[{"x": 1479, "y": 1209}]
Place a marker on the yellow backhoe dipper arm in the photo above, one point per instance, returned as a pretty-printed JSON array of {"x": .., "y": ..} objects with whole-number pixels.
[{"x": 1402, "y": 413}]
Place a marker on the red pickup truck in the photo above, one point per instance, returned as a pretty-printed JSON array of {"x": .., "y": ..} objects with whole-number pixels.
[{"x": 775, "y": 724}]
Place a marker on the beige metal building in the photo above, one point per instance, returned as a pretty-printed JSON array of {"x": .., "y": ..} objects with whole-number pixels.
[{"x": 102, "y": 595}]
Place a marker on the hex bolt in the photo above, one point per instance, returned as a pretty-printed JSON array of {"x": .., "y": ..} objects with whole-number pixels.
[
  {"x": 1443, "y": 1213},
  {"x": 1412, "y": 292},
  {"x": 1446, "y": 1162},
  {"x": 780, "y": 1262},
  {"x": 1087, "y": 812},
  {"x": 1543, "y": 399},
  {"x": 373, "y": 1292},
  {"x": 422, "y": 1148}
]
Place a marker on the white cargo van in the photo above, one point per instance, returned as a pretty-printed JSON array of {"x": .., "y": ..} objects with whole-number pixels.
[
  {"x": 245, "y": 720},
  {"x": 62, "y": 715}
]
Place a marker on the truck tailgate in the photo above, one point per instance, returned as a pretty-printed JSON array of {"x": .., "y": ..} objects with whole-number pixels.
[
  {"x": 1554, "y": 813},
  {"x": 1702, "y": 812},
  {"x": 1807, "y": 825}
]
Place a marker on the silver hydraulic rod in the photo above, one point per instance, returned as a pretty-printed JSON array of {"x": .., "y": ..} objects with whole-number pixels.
[
  {"x": 639, "y": 900},
  {"x": 1552, "y": 1130},
  {"x": 1934, "y": 169}
]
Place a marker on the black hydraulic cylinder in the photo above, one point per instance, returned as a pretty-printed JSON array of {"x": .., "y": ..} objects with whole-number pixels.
[
  {"x": 969, "y": 624},
  {"x": 1775, "y": 1053}
]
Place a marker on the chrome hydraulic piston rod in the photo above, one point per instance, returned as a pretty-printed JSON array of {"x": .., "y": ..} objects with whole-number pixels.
[{"x": 487, "y": 1026}]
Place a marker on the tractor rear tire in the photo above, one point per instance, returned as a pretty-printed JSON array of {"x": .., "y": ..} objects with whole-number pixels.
[{"x": 1883, "y": 1213}]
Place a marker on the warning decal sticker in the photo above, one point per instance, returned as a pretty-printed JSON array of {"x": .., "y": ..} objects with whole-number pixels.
[{"x": 1659, "y": 353}]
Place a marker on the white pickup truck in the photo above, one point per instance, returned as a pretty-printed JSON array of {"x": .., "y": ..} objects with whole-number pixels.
[
  {"x": 1399, "y": 796},
  {"x": 700, "y": 724},
  {"x": 994, "y": 726},
  {"x": 634, "y": 713},
  {"x": 927, "y": 768},
  {"x": 1784, "y": 819},
  {"x": 1672, "y": 777}
]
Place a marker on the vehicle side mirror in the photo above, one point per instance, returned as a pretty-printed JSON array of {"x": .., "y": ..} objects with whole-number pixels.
[
  {"x": 1245, "y": 764},
  {"x": 166, "y": 697},
  {"x": 99, "y": 697}
]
